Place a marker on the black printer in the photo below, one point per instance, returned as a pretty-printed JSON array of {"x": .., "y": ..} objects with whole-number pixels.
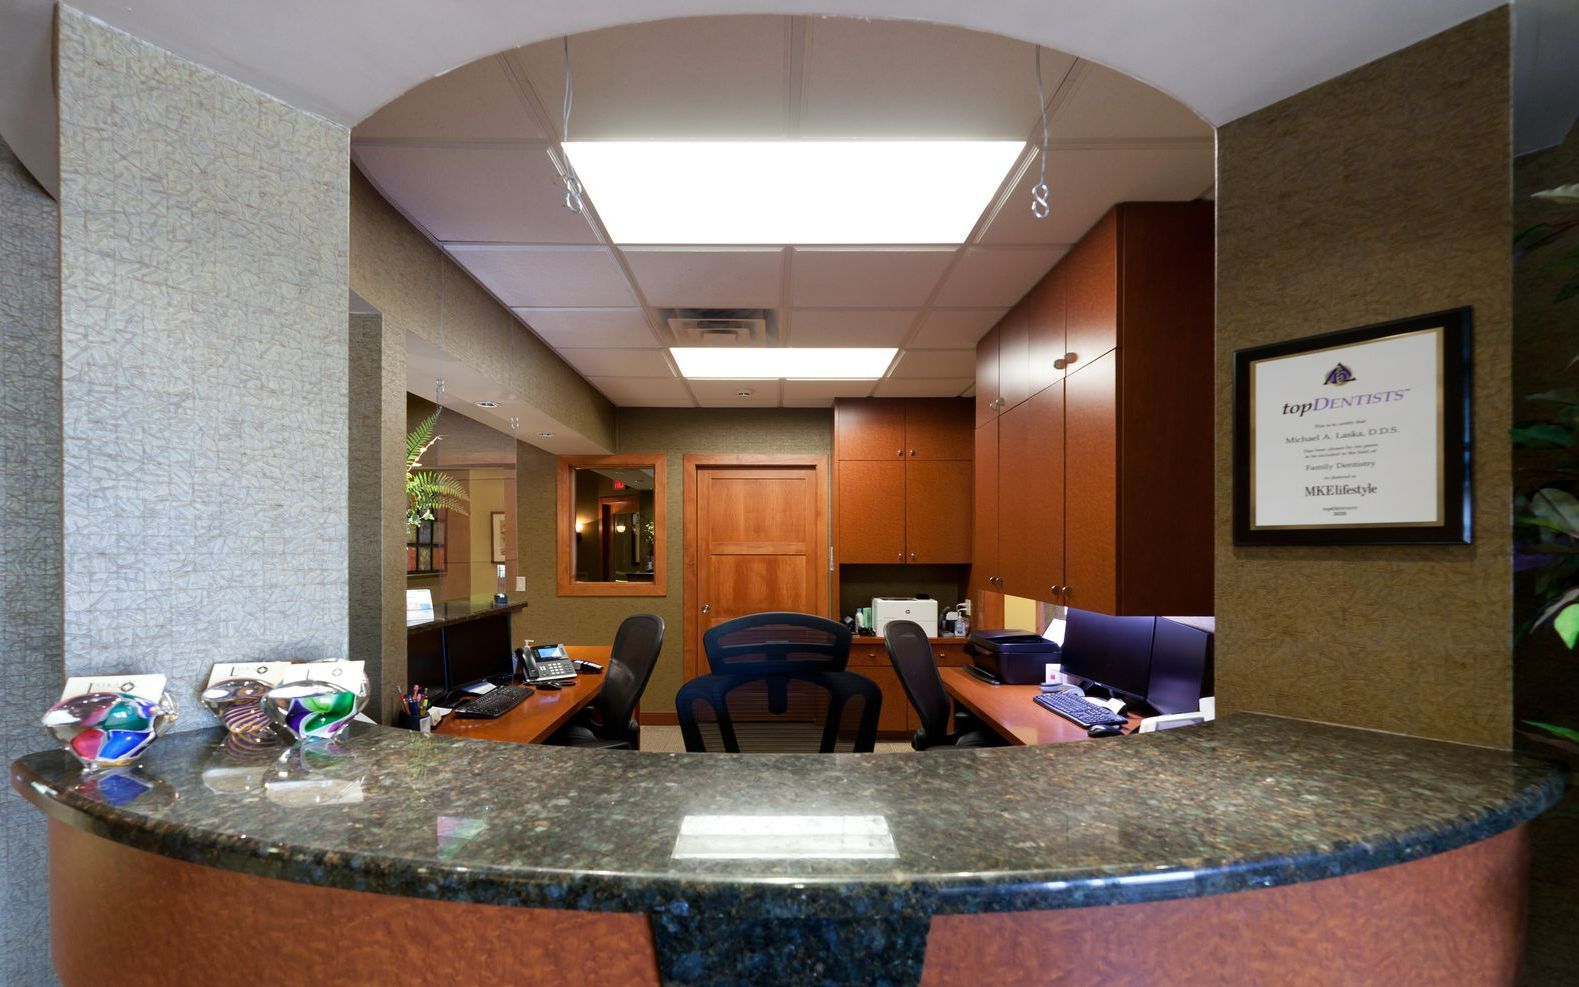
[{"x": 1012, "y": 657}]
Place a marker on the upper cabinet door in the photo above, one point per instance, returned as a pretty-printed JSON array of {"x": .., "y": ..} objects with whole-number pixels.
[
  {"x": 984, "y": 511},
  {"x": 1091, "y": 293},
  {"x": 937, "y": 511},
  {"x": 1045, "y": 309},
  {"x": 1091, "y": 485},
  {"x": 938, "y": 428},
  {"x": 867, "y": 428},
  {"x": 1015, "y": 448},
  {"x": 871, "y": 512},
  {"x": 987, "y": 403},
  {"x": 1014, "y": 343},
  {"x": 1043, "y": 476}
]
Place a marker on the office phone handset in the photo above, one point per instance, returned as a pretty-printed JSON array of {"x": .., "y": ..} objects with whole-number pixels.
[{"x": 546, "y": 664}]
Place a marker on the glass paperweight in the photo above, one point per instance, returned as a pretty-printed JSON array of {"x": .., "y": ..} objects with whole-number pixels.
[
  {"x": 312, "y": 710},
  {"x": 109, "y": 729},
  {"x": 238, "y": 704}
]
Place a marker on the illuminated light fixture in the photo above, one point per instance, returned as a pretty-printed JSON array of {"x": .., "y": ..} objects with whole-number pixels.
[
  {"x": 783, "y": 363},
  {"x": 791, "y": 192},
  {"x": 486, "y": 404},
  {"x": 620, "y": 528},
  {"x": 546, "y": 435}
]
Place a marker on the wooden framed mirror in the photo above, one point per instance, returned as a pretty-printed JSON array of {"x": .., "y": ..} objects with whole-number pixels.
[{"x": 611, "y": 514}]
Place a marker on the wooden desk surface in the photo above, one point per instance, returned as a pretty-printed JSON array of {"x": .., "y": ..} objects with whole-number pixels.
[
  {"x": 1009, "y": 709},
  {"x": 543, "y": 712}
]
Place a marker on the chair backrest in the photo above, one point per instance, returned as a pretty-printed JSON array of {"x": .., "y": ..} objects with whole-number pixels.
[
  {"x": 761, "y": 713},
  {"x": 631, "y": 661},
  {"x": 911, "y": 655},
  {"x": 777, "y": 643}
]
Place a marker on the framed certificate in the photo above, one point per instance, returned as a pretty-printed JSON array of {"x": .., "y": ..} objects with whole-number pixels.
[{"x": 1359, "y": 437}]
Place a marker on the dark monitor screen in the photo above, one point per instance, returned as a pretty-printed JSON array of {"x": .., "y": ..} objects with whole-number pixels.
[
  {"x": 468, "y": 664},
  {"x": 424, "y": 666},
  {"x": 1114, "y": 651},
  {"x": 1179, "y": 660}
]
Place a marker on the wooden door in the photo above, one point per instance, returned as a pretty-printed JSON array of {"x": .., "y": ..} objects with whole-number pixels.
[
  {"x": 1091, "y": 299},
  {"x": 987, "y": 378},
  {"x": 1091, "y": 485},
  {"x": 871, "y": 509},
  {"x": 756, "y": 540},
  {"x": 1014, "y": 340},
  {"x": 984, "y": 509},
  {"x": 937, "y": 511},
  {"x": 938, "y": 428},
  {"x": 1043, "y": 472},
  {"x": 1046, "y": 316},
  {"x": 1014, "y": 449},
  {"x": 869, "y": 428}
]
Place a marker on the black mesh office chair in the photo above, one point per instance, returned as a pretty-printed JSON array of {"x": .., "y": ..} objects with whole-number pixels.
[
  {"x": 911, "y": 655},
  {"x": 608, "y": 722},
  {"x": 778, "y": 683}
]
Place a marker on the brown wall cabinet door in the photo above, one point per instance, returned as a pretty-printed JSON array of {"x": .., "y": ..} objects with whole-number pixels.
[
  {"x": 1045, "y": 313},
  {"x": 894, "y": 717},
  {"x": 1091, "y": 485},
  {"x": 1014, "y": 341},
  {"x": 937, "y": 511},
  {"x": 1091, "y": 292},
  {"x": 869, "y": 429},
  {"x": 938, "y": 428},
  {"x": 984, "y": 530},
  {"x": 1043, "y": 475},
  {"x": 872, "y": 512},
  {"x": 987, "y": 378},
  {"x": 1014, "y": 503}
]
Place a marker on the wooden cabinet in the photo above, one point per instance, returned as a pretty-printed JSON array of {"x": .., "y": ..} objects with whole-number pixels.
[
  {"x": 936, "y": 428},
  {"x": 937, "y": 511},
  {"x": 869, "y": 430},
  {"x": 987, "y": 402},
  {"x": 869, "y": 657},
  {"x": 908, "y": 502},
  {"x": 871, "y": 512},
  {"x": 1097, "y": 489}
]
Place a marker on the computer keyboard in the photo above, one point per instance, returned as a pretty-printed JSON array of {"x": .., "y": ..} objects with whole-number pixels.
[
  {"x": 495, "y": 704},
  {"x": 1077, "y": 709}
]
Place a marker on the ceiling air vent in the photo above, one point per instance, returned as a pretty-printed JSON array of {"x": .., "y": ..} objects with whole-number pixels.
[{"x": 722, "y": 326}]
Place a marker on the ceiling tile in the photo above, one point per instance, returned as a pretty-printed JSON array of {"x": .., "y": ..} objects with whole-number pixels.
[
  {"x": 1108, "y": 104},
  {"x": 986, "y": 277},
  {"x": 833, "y": 277},
  {"x": 547, "y": 277},
  {"x": 721, "y": 393},
  {"x": 884, "y": 78},
  {"x": 944, "y": 328},
  {"x": 688, "y": 78},
  {"x": 936, "y": 363},
  {"x": 921, "y": 387},
  {"x": 476, "y": 102},
  {"x": 1086, "y": 184},
  {"x": 820, "y": 393},
  {"x": 635, "y": 392},
  {"x": 617, "y": 363},
  {"x": 680, "y": 277},
  {"x": 849, "y": 327},
  {"x": 510, "y": 194},
  {"x": 624, "y": 328}
]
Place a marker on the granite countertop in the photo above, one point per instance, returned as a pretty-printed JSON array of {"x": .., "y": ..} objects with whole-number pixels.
[
  {"x": 452, "y": 612},
  {"x": 1248, "y": 801}
]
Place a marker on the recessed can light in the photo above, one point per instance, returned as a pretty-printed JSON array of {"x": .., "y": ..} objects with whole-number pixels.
[
  {"x": 487, "y": 404},
  {"x": 546, "y": 435},
  {"x": 743, "y": 393}
]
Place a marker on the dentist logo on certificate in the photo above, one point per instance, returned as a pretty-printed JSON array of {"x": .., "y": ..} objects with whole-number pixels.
[{"x": 1339, "y": 375}]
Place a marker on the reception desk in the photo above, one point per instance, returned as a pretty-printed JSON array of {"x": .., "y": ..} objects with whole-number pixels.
[{"x": 1252, "y": 850}]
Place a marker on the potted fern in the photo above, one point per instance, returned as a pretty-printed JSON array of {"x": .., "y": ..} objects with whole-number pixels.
[{"x": 428, "y": 490}]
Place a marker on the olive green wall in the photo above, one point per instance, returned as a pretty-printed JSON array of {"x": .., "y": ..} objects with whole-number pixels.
[
  {"x": 1380, "y": 194},
  {"x": 673, "y": 432}
]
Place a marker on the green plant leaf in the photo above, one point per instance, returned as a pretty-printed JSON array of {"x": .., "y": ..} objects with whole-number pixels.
[
  {"x": 1567, "y": 733},
  {"x": 1559, "y": 507},
  {"x": 1567, "y": 625},
  {"x": 1566, "y": 195},
  {"x": 1556, "y": 606},
  {"x": 1541, "y": 435}
]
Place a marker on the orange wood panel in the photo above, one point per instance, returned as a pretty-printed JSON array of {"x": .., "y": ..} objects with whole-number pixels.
[
  {"x": 565, "y": 522},
  {"x": 1014, "y": 502},
  {"x": 937, "y": 511},
  {"x": 536, "y": 719},
  {"x": 894, "y": 716},
  {"x": 869, "y": 428},
  {"x": 1091, "y": 266},
  {"x": 984, "y": 513},
  {"x": 1012, "y": 712},
  {"x": 1014, "y": 350},
  {"x": 871, "y": 500},
  {"x": 938, "y": 428},
  {"x": 1091, "y": 485},
  {"x": 1042, "y": 473},
  {"x": 987, "y": 377},
  {"x": 949, "y": 654},
  {"x": 169, "y": 923},
  {"x": 1447, "y": 920},
  {"x": 1045, "y": 315}
]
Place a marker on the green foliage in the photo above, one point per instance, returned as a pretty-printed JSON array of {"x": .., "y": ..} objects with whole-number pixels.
[{"x": 429, "y": 490}]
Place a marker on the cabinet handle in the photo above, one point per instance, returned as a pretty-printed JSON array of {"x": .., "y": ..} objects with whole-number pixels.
[
  {"x": 1066, "y": 595},
  {"x": 912, "y": 556},
  {"x": 912, "y": 452},
  {"x": 901, "y": 556},
  {"x": 1060, "y": 363},
  {"x": 900, "y": 453},
  {"x": 1071, "y": 357},
  {"x": 707, "y": 608},
  {"x": 995, "y": 403}
]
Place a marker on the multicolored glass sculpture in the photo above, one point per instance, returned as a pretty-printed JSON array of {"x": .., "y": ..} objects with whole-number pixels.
[
  {"x": 238, "y": 704},
  {"x": 108, "y": 729},
  {"x": 312, "y": 710}
]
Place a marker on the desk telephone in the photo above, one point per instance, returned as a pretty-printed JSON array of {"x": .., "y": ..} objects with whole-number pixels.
[{"x": 549, "y": 663}]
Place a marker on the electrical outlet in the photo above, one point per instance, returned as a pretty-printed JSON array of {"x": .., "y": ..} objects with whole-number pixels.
[{"x": 520, "y": 584}]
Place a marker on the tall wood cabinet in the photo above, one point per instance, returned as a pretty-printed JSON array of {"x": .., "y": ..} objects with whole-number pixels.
[
  {"x": 902, "y": 481},
  {"x": 1094, "y": 467}
]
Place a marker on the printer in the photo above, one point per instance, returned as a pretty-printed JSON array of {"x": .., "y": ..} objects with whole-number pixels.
[
  {"x": 923, "y": 612},
  {"x": 1012, "y": 657}
]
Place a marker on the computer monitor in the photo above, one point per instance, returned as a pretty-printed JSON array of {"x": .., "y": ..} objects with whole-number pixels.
[
  {"x": 1180, "y": 663},
  {"x": 424, "y": 663},
  {"x": 1111, "y": 651},
  {"x": 470, "y": 664}
]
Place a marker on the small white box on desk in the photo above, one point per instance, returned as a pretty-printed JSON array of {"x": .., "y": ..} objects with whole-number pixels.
[{"x": 923, "y": 612}]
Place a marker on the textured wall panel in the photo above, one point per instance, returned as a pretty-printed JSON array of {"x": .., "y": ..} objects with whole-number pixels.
[
  {"x": 1380, "y": 194},
  {"x": 203, "y": 341},
  {"x": 30, "y": 547}
]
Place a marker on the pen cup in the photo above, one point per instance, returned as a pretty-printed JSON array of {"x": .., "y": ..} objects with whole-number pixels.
[{"x": 406, "y": 721}]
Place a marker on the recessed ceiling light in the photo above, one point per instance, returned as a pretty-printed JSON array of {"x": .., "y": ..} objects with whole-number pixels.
[
  {"x": 487, "y": 404},
  {"x": 743, "y": 393},
  {"x": 546, "y": 435},
  {"x": 782, "y": 192},
  {"x": 783, "y": 363}
]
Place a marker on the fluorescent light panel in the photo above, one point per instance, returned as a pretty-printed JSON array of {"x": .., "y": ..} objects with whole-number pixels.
[
  {"x": 783, "y": 363},
  {"x": 791, "y": 192}
]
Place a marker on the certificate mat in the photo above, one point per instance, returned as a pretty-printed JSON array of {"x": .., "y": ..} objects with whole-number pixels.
[{"x": 1355, "y": 437}]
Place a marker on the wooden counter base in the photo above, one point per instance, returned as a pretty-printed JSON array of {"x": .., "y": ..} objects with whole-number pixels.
[{"x": 131, "y": 917}]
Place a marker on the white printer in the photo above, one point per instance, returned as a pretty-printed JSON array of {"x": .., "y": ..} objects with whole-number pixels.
[{"x": 923, "y": 612}]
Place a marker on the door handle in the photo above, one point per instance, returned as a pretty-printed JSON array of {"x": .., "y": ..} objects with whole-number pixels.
[{"x": 707, "y": 608}]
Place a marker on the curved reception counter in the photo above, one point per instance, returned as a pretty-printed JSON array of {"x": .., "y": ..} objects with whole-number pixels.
[{"x": 1255, "y": 850}]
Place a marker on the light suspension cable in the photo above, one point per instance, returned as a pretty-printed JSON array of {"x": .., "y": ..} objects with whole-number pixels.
[
  {"x": 1039, "y": 204},
  {"x": 572, "y": 183}
]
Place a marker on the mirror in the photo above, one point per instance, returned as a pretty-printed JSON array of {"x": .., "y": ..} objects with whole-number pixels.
[{"x": 611, "y": 525}]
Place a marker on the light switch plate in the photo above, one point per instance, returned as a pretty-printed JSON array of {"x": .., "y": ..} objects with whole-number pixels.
[{"x": 520, "y": 584}]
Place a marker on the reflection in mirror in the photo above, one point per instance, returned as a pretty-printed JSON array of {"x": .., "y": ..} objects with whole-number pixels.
[{"x": 611, "y": 525}]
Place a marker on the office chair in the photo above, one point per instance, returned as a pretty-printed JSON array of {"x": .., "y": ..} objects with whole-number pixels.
[
  {"x": 911, "y": 655},
  {"x": 608, "y": 722},
  {"x": 781, "y": 642}
]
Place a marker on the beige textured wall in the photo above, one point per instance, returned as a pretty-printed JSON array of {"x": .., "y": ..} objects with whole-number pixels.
[
  {"x": 1380, "y": 194},
  {"x": 673, "y": 432}
]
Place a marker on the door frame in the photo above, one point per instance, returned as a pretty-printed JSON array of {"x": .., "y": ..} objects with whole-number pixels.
[{"x": 817, "y": 462}]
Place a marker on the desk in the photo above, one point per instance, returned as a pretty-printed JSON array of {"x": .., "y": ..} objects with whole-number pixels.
[
  {"x": 543, "y": 712},
  {"x": 1008, "y": 709}
]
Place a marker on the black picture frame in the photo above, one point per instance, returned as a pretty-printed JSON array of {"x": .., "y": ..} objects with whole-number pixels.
[{"x": 1454, "y": 407}]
